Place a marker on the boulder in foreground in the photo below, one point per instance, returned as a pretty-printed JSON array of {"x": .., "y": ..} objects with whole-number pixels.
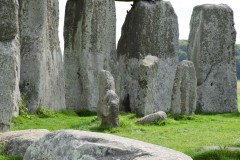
[{"x": 73, "y": 144}]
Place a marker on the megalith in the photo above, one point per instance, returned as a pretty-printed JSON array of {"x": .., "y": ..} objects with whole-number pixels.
[
  {"x": 42, "y": 76},
  {"x": 89, "y": 34},
  {"x": 147, "y": 80},
  {"x": 211, "y": 49},
  {"x": 150, "y": 28},
  {"x": 9, "y": 62},
  {"x": 184, "y": 89},
  {"x": 108, "y": 103}
]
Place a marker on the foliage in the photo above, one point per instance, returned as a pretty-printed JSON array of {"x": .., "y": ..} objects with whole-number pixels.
[{"x": 45, "y": 113}]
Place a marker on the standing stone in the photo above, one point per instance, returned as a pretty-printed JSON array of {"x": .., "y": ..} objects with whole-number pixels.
[
  {"x": 211, "y": 49},
  {"x": 9, "y": 62},
  {"x": 89, "y": 34},
  {"x": 147, "y": 81},
  {"x": 184, "y": 89},
  {"x": 42, "y": 76},
  {"x": 150, "y": 28},
  {"x": 108, "y": 103}
]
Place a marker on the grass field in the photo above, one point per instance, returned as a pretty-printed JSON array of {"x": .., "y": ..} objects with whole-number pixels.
[{"x": 187, "y": 134}]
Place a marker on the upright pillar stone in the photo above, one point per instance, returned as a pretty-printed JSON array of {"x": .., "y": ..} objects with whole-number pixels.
[
  {"x": 42, "y": 76},
  {"x": 184, "y": 89},
  {"x": 108, "y": 103},
  {"x": 89, "y": 34},
  {"x": 9, "y": 62},
  {"x": 150, "y": 28},
  {"x": 211, "y": 49}
]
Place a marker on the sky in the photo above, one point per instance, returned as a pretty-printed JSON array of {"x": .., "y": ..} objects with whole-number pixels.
[{"x": 183, "y": 9}]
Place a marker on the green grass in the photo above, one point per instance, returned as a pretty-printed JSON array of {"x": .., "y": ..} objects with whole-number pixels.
[{"x": 187, "y": 134}]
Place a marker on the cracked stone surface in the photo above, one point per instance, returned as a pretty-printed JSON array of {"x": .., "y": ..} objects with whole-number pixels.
[
  {"x": 9, "y": 62},
  {"x": 211, "y": 49},
  {"x": 90, "y": 46},
  {"x": 73, "y": 144},
  {"x": 150, "y": 29},
  {"x": 42, "y": 76}
]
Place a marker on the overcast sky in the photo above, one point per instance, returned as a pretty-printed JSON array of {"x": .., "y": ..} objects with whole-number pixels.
[{"x": 183, "y": 9}]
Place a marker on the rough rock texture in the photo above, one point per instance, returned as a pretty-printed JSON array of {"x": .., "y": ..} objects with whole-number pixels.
[
  {"x": 149, "y": 29},
  {"x": 152, "y": 117},
  {"x": 185, "y": 89},
  {"x": 16, "y": 143},
  {"x": 89, "y": 34},
  {"x": 108, "y": 103},
  {"x": 42, "y": 76},
  {"x": 211, "y": 49},
  {"x": 147, "y": 80},
  {"x": 70, "y": 144},
  {"x": 9, "y": 62}
]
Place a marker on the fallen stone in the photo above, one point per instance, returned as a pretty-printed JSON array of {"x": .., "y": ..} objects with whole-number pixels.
[
  {"x": 184, "y": 89},
  {"x": 89, "y": 34},
  {"x": 42, "y": 76},
  {"x": 9, "y": 62},
  {"x": 149, "y": 29},
  {"x": 108, "y": 103},
  {"x": 211, "y": 49},
  {"x": 16, "y": 143},
  {"x": 152, "y": 118},
  {"x": 73, "y": 144}
]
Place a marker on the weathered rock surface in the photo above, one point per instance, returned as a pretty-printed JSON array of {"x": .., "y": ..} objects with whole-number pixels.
[
  {"x": 152, "y": 117},
  {"x": 185, "y": 89},
  {"x": 108, "y": 103},
  {"x": 9, "y": 62},
  {"x": 211, "y": 49},
  {"x": 89, "y": 34},
  {"x": 147, "y": 80},
  {"x": 16, "y": 143},
  {"x": 149, "y": 29},
  {"x": 42, "y": 76},
  {"x": 70, "y": 144}
]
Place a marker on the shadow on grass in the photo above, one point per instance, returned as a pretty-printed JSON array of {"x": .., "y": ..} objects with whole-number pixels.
[
  {"x": 86, "y": 113},
  {"x": 218, "y": 155}
]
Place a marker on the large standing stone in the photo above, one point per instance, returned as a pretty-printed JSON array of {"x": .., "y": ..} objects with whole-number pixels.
[
  {"x": 211, "y": 49},
  {"x": 185, "y": 89},
  {"x": 9, "y": 62},
  {"x": 70, "y": 144},
  {"x": 150, "y": 28},
  {"x": 42, "y": 76},
  {"x": 108, "y": 103},
  {"x": 89, "y": 34}
]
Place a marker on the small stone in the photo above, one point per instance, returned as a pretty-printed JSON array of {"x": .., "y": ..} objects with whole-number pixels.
[
  {"x": 108, "y": 103},
  {"x": 152, "y": 118}
]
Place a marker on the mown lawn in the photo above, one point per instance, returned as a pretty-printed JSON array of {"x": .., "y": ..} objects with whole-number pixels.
[{"x": 187, "y": 134}]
